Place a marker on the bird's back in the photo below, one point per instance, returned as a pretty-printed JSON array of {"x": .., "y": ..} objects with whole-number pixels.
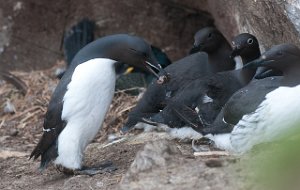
[{"x": 247, "y": 99}]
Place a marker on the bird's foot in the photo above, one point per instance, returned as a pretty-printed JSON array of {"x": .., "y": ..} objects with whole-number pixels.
[
  {"x": 202, "y": 145},
  {"x": 99, "y": 169},
  {"x": 150, "y": 121}
]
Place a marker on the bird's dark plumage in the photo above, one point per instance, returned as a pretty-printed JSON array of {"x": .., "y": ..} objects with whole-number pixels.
[
  {"x": 209, "y": 94},
  {"x": 182, "y": 72},
  {"x": 77, "y": 37},
  {"x": 246, "y": 100},
  {"x": 273, "y": 109},
  {"x": 108, "y": 52},
  {"x": 82, "y": 34}
]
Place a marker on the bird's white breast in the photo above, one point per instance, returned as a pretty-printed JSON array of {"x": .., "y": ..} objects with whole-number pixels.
[
  {"x": 275, "y": 116},
  {"x": 85, "y": 104}
]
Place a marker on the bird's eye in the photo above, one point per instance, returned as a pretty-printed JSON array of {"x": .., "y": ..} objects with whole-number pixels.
[{"x": 250, "y": 41}]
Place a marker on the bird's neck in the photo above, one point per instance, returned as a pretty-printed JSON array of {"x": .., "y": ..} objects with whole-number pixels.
[
  {"x": 250, "y": 57},
  {"x": 220, "y": 59},
  {"x": 246, "y": 75},
  {"x": 291, "y": 76}
]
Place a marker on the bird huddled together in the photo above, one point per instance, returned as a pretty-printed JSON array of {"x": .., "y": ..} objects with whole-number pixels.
[{"x": 235, "y": 104}]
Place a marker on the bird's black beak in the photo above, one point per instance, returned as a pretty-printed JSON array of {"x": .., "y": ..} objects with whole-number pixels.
[
  {"x": 195, "y": 49},
  {"x": 264, "y": 72},
  {"x": 235, "y": 52},
  {"x": 155, "y": 68},
  {"x": 260, "y": 62}
]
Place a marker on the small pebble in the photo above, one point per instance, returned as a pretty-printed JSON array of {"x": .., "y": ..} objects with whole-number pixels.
[
  {"x": 9, "y": 107},
  {"x": 13, "y": 132},
  {"x": 214, "y": 163}
]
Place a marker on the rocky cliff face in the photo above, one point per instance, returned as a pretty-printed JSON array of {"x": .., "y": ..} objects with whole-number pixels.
[
  {"x": 272, "y": 21},
  {"x": 31, "y": 31}
]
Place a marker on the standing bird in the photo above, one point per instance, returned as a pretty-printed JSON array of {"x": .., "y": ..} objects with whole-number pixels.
[
  {"x": 80, "y": 101},
  {"x": 213, "y": 47},
  {"x": 82, "y": 34}
]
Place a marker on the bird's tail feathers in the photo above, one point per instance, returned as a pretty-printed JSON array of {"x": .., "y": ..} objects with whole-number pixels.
[{"x": 187, "y": 114}]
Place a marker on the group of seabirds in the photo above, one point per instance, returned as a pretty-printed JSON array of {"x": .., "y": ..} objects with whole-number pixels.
[{"x": 235, "y": 104}]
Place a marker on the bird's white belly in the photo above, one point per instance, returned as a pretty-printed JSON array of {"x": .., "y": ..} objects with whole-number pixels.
[
  {"x": 277, "y": 116},
  {"x": 86, "y": 102}
]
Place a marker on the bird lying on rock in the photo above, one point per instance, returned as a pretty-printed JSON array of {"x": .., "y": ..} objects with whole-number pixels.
[
  {"x": 213, "y": 47},
  {"x": 78, "y": 106}
]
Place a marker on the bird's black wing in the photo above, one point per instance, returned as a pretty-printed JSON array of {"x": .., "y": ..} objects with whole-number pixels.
[
  {"x": 247, "y": 99},
  {"x": 53, "y": 124},
  {"x": 187, "y": 114},
  {"x": 155, "y": 98}
]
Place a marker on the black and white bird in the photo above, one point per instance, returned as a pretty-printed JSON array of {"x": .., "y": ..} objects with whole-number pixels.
[
  {"x": 275, "y": 115},
  {"x": 207, "y": 95},
  {"x": 213, "y": 47},
  {"x": 78, "y": 106},
  {"x": 279, "y": 113},
  {"x": 82, "y": 33}
]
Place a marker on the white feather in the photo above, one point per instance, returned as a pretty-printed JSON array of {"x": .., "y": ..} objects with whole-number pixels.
[
  {"x": 86, "y": 102},
  {"x": 278, "y": 113},
  {"x": 206, "y": 99},
  {"x": 184, "y": 133},
  {"x": 145, "y": 126},
  {"x": 160, "y": 127},
  {"x": 222, "y": 141},
  {"x": 238, "y": 62}
]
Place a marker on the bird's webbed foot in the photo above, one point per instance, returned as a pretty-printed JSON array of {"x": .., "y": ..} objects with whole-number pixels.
[{"x": 98, "y": 169}]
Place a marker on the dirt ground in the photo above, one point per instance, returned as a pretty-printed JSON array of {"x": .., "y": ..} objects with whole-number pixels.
[
  {"x": 17, "y": 172},
  {"x": 180, "y": 169}
]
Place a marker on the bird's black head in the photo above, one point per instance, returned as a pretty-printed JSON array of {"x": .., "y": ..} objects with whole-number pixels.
[
  {"x": 136, "y": 52},
  {"x": 283, "y": 57},
  {"x": 208, "y": 40},
  {"x": 246, "y": 46}
]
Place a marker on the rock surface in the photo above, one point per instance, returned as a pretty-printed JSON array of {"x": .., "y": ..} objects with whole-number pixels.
[
  {"x": 161, "y": 165},
  {"x": 31, "y": 31},
  {"x": 272, "y": 21}
]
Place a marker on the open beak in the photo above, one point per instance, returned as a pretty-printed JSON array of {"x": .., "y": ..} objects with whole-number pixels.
[{"x": 155, "y": 68}]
